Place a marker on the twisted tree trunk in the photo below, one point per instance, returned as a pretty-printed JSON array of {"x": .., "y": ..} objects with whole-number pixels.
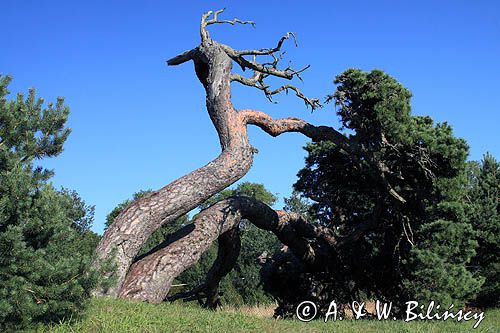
[
  {"x": 124, "y": 238},
  {"x": 229, "y": 247},
  {"x": 150, "y": 277}
]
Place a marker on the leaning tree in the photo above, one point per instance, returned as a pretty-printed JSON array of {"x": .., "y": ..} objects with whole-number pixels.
[{"x": 149, "y": 276}]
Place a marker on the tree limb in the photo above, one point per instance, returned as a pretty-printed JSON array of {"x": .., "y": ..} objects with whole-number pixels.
[
  {"x": 244, "y": 63},
  {"x": 257, "y": 81},
  {"x": 206, "y": 22},
  {"x": 229, "y": 245},
  {"x": 150, "y": 277},
  {"x": 320, "y": 133},
  {"x": 269, "y": 51},
  {"x": 284, "y": 125},
  {"x": 181, "y": 58},
  {"x": 261, "y": 70}
]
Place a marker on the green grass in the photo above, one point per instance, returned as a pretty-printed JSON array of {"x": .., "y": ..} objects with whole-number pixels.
[{"x": 108, "y": 315}]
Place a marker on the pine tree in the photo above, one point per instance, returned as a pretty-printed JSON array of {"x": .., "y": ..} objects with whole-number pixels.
[
  {"x": 484, "y": 214},
  {"x": 45, "y": 241},
  {"x": 404, "y": 183}
]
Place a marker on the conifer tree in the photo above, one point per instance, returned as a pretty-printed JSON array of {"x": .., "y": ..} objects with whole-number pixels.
[
  {"x": 484, "y": 215},
  {"x": 414, "y": 241},
  {"x": 45, "y": 241}
]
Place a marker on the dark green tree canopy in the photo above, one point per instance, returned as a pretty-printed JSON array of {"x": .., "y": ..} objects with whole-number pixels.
[
  {"x": 372, "y": 104},
  {"x": 483, "y": 199},
  {"x": 403, "y": 184},
  {"x": 45, "y": 241}
]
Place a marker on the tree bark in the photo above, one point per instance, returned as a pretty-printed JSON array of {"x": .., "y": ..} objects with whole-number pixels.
[
  {"x": 135, "y": 224},
  {"x": 150, "y": 278},
  {"x": 229, "y": 246},
  {"x": 130, "y": 230}
]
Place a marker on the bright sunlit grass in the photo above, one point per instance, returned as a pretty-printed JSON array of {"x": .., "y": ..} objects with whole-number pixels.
[{"x": 109, "y": 315}]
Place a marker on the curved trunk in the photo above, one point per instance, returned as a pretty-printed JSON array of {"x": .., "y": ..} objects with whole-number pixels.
[
  {"x": 229, "y": 246},
  {"x": 150, "y": 278},
  {"x": 130, "y": 230}
]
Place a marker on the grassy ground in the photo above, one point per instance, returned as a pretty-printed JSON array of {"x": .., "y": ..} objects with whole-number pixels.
[{"x": 107, "y": 315}]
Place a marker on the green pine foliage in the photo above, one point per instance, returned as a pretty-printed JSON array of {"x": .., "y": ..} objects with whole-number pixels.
[
  {"x": 300, "y": 205},
  {"x": 416, "y": 250},
  {"x": 45, "y": 241},
  {"x": 484, "y": 214}
]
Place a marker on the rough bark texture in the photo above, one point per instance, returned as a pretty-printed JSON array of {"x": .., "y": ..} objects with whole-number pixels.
[
  {"x": 229, "y": 247},
  {"x": 137, "y": 222},
  {"x": 150, "y": 277}
]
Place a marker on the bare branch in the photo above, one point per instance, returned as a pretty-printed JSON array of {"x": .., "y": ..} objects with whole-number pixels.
[
  {"x": 269, "y": 68},
  {"x": 320, "y": 133},
  {"x": 181, "y": 58},
  {"x": 206, "y": 22},
  {"x": 257, "y": 81},
  {"x": 267, "y": 51},
  {"x": 312, "y": 102},
  {"x": 261, "y": 70},
  {"x": 407, "y": 230},
  {"x": 215, "y": 20},
  {"x": 244, "y": 63},
  {"x": 279, "y": 126},
  {"x": 252, "y": 82}
]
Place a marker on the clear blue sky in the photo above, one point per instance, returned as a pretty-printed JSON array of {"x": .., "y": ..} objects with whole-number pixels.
[{"x": 139, "y": 124}]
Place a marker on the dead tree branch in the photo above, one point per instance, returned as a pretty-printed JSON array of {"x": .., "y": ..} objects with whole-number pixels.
[
  {"x": 181, "y": 58},
  {"x": 215, "y": 20},
  {"x": 260, "y": 70},
  {"x": 269, "y": 51}
]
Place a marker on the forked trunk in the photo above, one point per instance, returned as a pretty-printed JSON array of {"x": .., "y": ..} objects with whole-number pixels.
[{"x": 131, "y": 229}]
